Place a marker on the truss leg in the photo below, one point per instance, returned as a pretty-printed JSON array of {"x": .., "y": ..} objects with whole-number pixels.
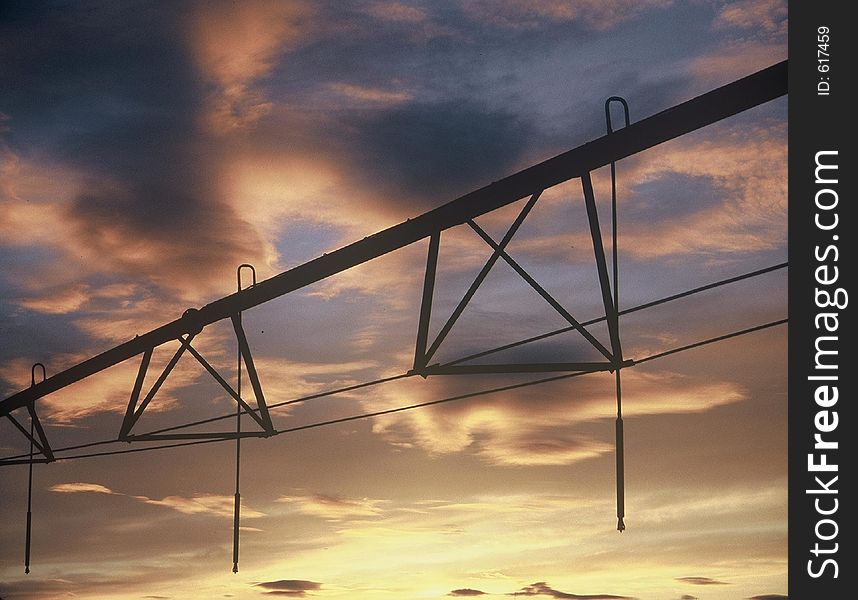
[
  {"x": 130, "y": 412},
  {"x": 601, "y": 265},
  {"x": 420, "y": 358},
  {"x": 244, "y": 352}
]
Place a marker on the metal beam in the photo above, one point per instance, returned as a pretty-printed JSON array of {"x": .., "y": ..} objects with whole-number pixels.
[
  {"x": 723, "y": 102},
  {"x": 202, "y": 435},
  {"x": 582, "y": 367}
]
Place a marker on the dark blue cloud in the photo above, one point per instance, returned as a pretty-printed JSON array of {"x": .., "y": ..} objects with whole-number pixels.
[
  {"x": 427, "y": 153},
  {"x": 669, "y": 197}
]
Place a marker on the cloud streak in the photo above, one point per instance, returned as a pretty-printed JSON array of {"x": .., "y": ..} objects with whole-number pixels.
[{"x": 203, "y": 504}]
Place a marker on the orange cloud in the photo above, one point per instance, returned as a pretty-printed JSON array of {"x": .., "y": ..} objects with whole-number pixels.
[
  {"x": 42, "y": 208},
  {"x": 748, "y": 167},
  {"x": 766, "y": 15},
  {"x": 235, "y": 45},
  {"x": 219, "y": 506},
  {"x": 72, "y": 488},
  {"x": 735, "y": 59},
  {"x": 208, "y": 504}
]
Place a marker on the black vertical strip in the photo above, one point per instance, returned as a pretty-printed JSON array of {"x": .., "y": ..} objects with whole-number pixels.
[{"x": 821, "y": 108}]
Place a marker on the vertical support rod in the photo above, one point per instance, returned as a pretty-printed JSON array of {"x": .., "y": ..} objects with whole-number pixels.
[
  {"x": 29, "y": 506},
  {"x": 616, "y": 288},
  {"x": 237, "y": 508},
  {"x": 420, "y": 359},
  {"x": 621, "y": 492}
]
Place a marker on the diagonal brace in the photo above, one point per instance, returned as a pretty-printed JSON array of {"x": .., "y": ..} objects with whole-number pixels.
[
  {"x": 46, "y": 447},
  {"x": 602, "y": 265},
  {"x": 26, "y": 433},
  {"x": 542, "y": 291},
  {"x": 222, "y": 382},
  {"x": 132, "y": 415},
  {"x": 244, "y": 349},
  {"x": 481, "y": 277}
]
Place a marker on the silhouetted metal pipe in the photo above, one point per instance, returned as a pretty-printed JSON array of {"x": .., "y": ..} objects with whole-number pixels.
[
  {"x": 621, "y": 492},
  {"x": 621, "y": 500}
]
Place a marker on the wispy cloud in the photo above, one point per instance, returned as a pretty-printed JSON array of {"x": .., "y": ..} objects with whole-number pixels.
[
  {"x": 768, "y": 16},
  {"x": 591, "y": 13},
  {"x": 71, "y": 488},
  {"x": 335, "y": 508},
  {"x": 696, "y": 580},
  {"x": 506, "y": 429},
  {"x": 203, "y": 504}
]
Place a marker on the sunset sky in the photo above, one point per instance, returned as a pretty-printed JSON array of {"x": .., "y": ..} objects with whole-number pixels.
[{"x": 149, "y": 148}]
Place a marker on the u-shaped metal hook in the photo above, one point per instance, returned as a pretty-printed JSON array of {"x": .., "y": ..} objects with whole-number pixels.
[
  {"x": 625, "y": 105},
  {"x": 33, "y": 373},
  {"x": 238, "y": 274}
]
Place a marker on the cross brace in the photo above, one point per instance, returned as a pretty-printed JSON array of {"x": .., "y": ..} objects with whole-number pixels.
[{"x": 260, "y": 414}]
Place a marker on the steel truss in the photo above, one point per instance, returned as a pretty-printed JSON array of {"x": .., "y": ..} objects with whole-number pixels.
[{"x": 578, "y": 163}]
